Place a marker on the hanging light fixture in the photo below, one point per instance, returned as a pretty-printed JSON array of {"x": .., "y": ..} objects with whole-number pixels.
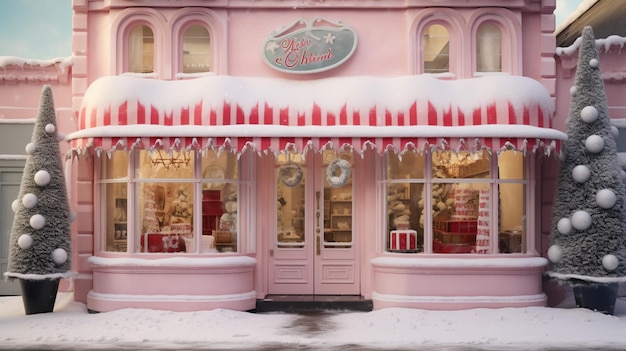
[{"x": 173, "y": 158}]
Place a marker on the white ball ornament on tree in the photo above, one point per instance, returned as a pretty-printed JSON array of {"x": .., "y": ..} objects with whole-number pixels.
[
  {"x": 606, "y": 198},
  {"x": 15, "y": 205},
  {"x": 593, "y": 63},
  {"x": 29, "y": 200},
  {"x": 589, "y": 114},
  {"x": 42, "y": 178},
  {"x": 581, "y": 173},
  {"x": 572, "y": 90},
  {"x": 594, "y": 143},
  {"x": 581, "y": 220},
  {"x": 614, "y": 131},
  {"x": 31, "y": 148},
  {"x": 37, "y": 221},
  {"x": 610, "y": 262},
  {"x": 59, "y": 256},
  {"x": 555, "y": 253},
  {"x": 50, "y": 128},
  {"x": 25, "y": 241},
  {"x": 564, "y": 226}
]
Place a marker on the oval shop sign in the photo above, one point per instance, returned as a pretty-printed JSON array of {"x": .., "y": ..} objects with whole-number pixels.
[{"x": 309, "y": 47}]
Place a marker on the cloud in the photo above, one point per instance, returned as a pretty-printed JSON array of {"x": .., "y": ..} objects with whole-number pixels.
[{"x": 564, "y": 8}]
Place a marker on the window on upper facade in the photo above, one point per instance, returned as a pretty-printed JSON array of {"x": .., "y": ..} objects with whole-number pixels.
[
  {"x": 169, "y": 191},
  {"x": 196, "y": 50},
  {"x": 454, "y": 206},
  {"x": 488, "y": 48},
  {"x": 141, "y": 50},
  {"x": 436, "y": 49}
]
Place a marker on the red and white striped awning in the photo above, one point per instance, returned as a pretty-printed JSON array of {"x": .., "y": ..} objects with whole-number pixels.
[{"x": 264, "y": 114}]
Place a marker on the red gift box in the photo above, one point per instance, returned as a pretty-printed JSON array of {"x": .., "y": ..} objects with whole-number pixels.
[{"x": 403, "y": 240}]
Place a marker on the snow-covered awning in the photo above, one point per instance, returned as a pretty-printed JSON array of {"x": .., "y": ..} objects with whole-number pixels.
[{"x": 266, "y": 114}]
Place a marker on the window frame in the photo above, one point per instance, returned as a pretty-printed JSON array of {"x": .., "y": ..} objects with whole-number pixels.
[
  {"x": 493, "y": 182},
  {"x": 511, "y": 39},
  {"x": 132, "y": 181}
]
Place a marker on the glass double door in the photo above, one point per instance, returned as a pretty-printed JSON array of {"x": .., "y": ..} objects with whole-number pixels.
[{"x": 314, "y": 247}]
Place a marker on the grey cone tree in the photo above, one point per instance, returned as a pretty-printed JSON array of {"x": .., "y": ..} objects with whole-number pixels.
[
  {"x": 588, "y": 226},
  {"x": 40, "y": 242}
]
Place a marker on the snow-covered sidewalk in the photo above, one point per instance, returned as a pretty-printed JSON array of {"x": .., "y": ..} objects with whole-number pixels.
[{"x": 70, "y": 327}]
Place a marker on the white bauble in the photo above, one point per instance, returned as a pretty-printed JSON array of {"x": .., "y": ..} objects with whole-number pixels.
[
  {"x": 622, "y": 175},
  {"x": 593, "y": 63},
  {"x": 42, "y": 178},
  {"x": 59, "y": 256},
  {"x": 589, "y": 114},
  {"x": 554, "y": 253},
  {"x": 610, "y": 262},
  {"x": 25, "y": 241},
  {"x": 72, "y": 216},
  {"x": 594, "y": 143},
  {"x": 606, "y": 198},
  {"x": 572, "y": 90},
  {"x": 614, "y": 131},
  {"x": 581, "y": 173},
  {"x": 581, "y": 220},
  {"x": 564, "y": 226},
  {"x": 37, "y": 221},
  {"x": 31, "y": 148},
  {"x": 15, "y": 205},
  {"x": 50, "y": 128},
  {"x": 29, "y": 200}
]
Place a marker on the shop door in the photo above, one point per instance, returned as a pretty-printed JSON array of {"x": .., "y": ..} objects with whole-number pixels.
[{"x": 314, "y": 249}]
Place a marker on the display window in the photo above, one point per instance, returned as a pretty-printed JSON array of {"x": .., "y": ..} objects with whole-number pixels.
[
  {"x": 446, "y": 198},
  {"x": 181, "y": 201}
]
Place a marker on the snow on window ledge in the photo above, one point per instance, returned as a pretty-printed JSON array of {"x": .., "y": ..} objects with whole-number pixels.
[
  {"x": 470, "y": 262},
  {"x": 229, "y": 261}
]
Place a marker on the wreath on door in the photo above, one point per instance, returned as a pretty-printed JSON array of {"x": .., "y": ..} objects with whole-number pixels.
[
  {"x": 343, "y": 177},
  {"x": 290, "y": 174}
]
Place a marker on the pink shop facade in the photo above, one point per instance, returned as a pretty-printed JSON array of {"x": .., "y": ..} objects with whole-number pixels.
[{"x": 401, "y": 152}]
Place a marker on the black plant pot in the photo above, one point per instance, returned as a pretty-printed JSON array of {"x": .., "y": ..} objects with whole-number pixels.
[
  {"x": 39, "y": 295},
  {"x": 596, "y": 296}
]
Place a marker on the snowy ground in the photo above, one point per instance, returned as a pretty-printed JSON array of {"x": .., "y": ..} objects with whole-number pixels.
[{"x": 70, "y": 327}]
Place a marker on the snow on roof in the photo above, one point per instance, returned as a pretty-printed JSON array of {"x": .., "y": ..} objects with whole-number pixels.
[
  {"x": 331, "y": 95},
  {"x": 582, "y": 8},
  {"x": 607, "y": 43},
  {"x": 63, "y": 62}
]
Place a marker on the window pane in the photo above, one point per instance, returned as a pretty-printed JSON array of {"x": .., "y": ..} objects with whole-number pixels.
[
  {"x": 220, "y": 206},
  {"x": 512, "y": 219},
  {"x": 489, "y": 48},
  {"x": 141, "y": 50},
  {"x": 290, "y": 196},
  {"x": 436, "y": 49},
  {"x": 114, "y": 200},
  {"x": 338, "y": 215},
  {"x": 404, "y": 202},
  {"x": 196, "y": 47},
  {"x": 163, "y": 164},
  {"x": 164, "y": 216},
  {"x": 458, "y": 208}
]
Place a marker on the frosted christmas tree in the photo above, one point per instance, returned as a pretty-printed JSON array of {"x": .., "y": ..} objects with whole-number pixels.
[
  {"x": 40, "y": 242},
  {"x": 588, "y": 228}
]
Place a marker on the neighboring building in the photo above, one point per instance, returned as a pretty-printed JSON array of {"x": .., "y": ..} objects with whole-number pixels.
[{"x": 203, "y": 134}]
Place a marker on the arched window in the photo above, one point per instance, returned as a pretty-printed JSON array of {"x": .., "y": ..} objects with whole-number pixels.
[
  {"x": 436, "y": 49},
  {"x": 488, "y": 48},
  {"x": 141, "y": 50},
  {"x": 196, "y": 50}
]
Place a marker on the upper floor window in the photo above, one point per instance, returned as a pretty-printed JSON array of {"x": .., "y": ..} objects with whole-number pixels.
[
  {"x": 488, "y": 48},
  {"x": 141, "y": 50},
  {"x": 436, "y": 49},
  {"x": 196, "y": 50}
]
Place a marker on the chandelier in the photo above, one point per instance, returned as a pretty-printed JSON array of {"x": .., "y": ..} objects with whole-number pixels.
[{"x": 173, "y": 158}]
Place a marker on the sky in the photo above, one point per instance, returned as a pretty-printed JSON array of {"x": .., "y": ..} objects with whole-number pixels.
[{"x": 41, "y": 29}]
